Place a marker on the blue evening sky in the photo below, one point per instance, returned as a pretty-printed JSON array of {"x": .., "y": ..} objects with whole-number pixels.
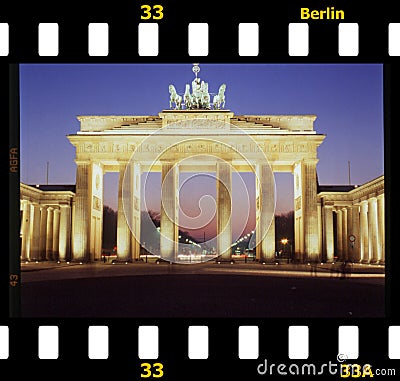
[{"x": 347, "y": 99}]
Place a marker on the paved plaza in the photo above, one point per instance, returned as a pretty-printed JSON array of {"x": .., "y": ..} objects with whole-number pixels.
[{"x": 203, "y": 290}]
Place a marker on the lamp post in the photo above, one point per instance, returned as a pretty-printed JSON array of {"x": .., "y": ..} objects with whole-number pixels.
[{"x": 284, "y": 242}]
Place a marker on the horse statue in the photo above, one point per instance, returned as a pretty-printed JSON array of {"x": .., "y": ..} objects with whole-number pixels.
[
  {"x": 219, "y": 99},
  {"x": 205, "y": 96},
  {"x": 175, "y": 98},
  {"x": 188, "y": 98}
]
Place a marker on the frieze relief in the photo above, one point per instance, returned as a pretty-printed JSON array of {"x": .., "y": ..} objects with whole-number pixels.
[
  {"x": 194, "y": 147},
  {"x": 297, "y": 203},
  {"x": 96, "y": 203},
  {"x": 286, "y": 147},
  {"x": 119, "y": 147}
]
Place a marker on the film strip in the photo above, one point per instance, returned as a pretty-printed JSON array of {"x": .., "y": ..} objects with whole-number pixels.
[{"x": 245, "y": 315}]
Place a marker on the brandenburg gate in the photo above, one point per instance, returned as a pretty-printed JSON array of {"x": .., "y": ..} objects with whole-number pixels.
[{"x": 195, "y": 134}]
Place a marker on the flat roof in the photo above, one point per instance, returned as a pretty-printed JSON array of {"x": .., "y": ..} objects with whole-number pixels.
[
  {"x": 335, "y": 188},
  {"x": 55, "y": 187}
]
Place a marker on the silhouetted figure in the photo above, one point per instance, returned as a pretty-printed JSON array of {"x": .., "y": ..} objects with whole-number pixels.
[
  {"x": 345, "y": 267},
  {"x": 313, "y": 268}
]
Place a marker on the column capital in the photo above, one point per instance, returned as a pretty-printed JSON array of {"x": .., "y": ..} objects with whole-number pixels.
[
  {"x": 310, "y": 161},
  {"x": 64, "y": 203},
  {"x": 82, "y": 162},
  {"x": 328, "y": 202}
]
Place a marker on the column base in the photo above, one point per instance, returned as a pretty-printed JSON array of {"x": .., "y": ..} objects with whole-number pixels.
[
  {"x": 313, "y": 258},
  {"x": 269, "y": 261},
  {"x": 224, "y": 260}
]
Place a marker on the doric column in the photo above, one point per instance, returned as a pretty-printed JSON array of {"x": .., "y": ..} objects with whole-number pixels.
[
  {"x": 381, "y": 228},
  {"x": 224, "y": 209},
  {"x": 82, "y": 216},
  {"x": 123, "y": 232},
  {"x": 373, "y": 230},
  {"x": 310, "y": 212},
  {"x": 320, "y": 224},
  {"x": 169, "y": 213},
  {"x": 355, "y": 249},
  {"x": 25, "y": 228},
  {"x": 43, "y": 232},
  {"x": 345, "y": 242},
  {"x": 265, "y": 209},
  {"x": 56, "y": 233},
  {"x": 339, "y": 233},
  {"x": 65, "y": 232},
  {"x": 49, "y": 234},
  {"x": 349, "y": 223},
  {"x": 136, "y": 212},
  {"x": 298, "y": 210},
  {"x": 96, "y": 210},
  {"x": 35, "y": 233},
  {"x": 328, "y": 233},
  {"x": 364, "y": 251}
]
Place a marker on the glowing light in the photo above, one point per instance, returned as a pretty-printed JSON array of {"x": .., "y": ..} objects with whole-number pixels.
[{"x": 80, "y": 263}]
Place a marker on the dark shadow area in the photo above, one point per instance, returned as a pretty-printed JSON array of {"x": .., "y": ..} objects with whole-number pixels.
[{"x": 204, "y": 295}]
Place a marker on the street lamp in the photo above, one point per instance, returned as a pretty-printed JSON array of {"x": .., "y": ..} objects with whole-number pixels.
[{"x": 284, "y": 242}]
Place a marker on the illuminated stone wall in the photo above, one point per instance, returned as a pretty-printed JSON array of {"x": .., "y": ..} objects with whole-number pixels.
[
  {"x": 67, "y": 224},
  {"x": 46, "y": 220},
  {"x": 360, "y": 222}
]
